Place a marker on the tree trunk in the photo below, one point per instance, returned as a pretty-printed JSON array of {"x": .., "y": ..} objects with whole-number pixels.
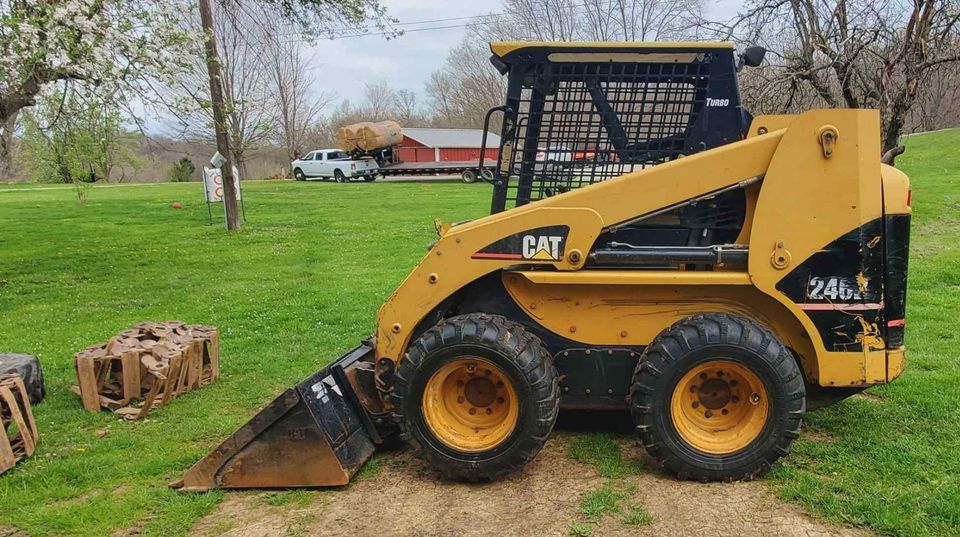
[
  {"x": 240, "y": 162},
  {"x": 897, "y": 114},
  {"x": 219, "y": 117},
  {"x": 7, "y": 124}
]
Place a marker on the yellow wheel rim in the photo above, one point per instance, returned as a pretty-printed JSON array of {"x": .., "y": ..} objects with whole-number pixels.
[
  {"x": 469, "y": 404},
  {"x": 719, "y": 407}
]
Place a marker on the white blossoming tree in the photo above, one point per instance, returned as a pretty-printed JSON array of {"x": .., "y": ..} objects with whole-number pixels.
[
  {"x": 117, "y": 47},
  {"x": 123, "y": 49}
]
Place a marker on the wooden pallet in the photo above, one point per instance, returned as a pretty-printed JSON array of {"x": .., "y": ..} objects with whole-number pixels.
[
  {"x": 146, "y": 366},
  {"x": 19, "y": 436}
]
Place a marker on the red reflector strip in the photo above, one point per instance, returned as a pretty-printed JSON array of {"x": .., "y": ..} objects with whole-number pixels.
[
  {"x": 843, "y": 307},
  {"x": 909, "y": 196},
  {"x": 484, "y": 255},
  {"x": 896, "y": 322}
]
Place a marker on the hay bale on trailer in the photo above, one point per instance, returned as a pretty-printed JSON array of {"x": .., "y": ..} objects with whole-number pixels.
[{"x": 368, "y": 136}]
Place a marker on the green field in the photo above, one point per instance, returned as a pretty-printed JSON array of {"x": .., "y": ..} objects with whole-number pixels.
[{"x": 302, "y": 283}]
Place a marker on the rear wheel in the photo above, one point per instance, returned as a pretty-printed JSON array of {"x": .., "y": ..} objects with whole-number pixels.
[
  {"x": 369, "y": 178},
  {"x": 476, "y": 396},
  {"x": 487, "y": 175},
  {"x": 717, "y": 397},
  {"x": 469, "y": 176},
  {"x": 339, "y": 177}
]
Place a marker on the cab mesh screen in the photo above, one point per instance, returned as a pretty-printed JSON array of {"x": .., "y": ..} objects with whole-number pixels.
[{"x": 580, "y": 123}]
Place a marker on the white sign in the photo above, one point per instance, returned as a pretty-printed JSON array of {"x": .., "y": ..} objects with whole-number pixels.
[
  {"x": 213, "y": 184},
  {"x": 217, "y": 160}
]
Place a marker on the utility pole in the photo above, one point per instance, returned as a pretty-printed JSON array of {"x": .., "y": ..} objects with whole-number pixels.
[{"x": 219, "y": 116}]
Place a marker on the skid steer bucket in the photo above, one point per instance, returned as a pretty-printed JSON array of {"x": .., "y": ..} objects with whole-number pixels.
[{"x": 315, "y": 434}]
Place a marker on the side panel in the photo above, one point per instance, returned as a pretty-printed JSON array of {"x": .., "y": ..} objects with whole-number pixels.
[
  {"x": 840, "y": 288},
  {"x": 809, "y": 204},
  {"x": 633, "y": 315}
]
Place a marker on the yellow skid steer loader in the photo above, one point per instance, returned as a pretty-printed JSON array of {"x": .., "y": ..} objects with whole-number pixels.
[{"x": 650, "y": 246}]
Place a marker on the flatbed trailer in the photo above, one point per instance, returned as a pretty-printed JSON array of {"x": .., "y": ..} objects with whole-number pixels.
[{"x": 469, "y": 170}]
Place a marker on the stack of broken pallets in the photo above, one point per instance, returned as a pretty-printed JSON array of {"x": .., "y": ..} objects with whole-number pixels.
[
  {"x": 147, "y": 366},
  {"x": 18, "y": 437}
]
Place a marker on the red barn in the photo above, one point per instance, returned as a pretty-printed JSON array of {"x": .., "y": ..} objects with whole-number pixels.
[{"x": 444, "y": 145}]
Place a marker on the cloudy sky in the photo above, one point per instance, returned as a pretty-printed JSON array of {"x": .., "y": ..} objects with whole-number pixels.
[{"x": 344, "y": 65}]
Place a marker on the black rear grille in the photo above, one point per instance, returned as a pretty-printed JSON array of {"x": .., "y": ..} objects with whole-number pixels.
[{"x": 896, "y": 243}]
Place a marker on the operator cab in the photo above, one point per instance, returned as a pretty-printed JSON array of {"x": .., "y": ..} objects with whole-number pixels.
[{"x": 581, "y": 113}]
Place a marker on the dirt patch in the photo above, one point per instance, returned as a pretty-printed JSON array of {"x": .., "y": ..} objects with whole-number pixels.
[
  {"x": 819, "y": 436},
  {"x": 867, "y": 396},
  {"x": 407, "y": 499}
]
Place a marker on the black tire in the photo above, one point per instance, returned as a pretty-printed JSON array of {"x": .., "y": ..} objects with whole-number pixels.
[
  {"x": 369, "y": 178},
  {"x": 487, "y": 175},
  {"x": 299, "y": 175},
  {"x": 339, "y": 177},
  {"x": 695, "y": 341},
  {"x": 469, "y": 176},
  {"x": 28, "y": 367},
  {"x": 524, "y": 360}
]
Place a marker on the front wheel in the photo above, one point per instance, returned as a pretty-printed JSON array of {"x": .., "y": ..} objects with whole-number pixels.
[
  {"x": 299, "y": 175},
  {"x": 339, "y": 177},
  {"x": 476, "y": 396},
  {"x": 717, "y": 397}
]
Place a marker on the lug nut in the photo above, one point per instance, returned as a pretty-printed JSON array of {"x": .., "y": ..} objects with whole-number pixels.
[
  {"x": 489, "y": 410},
  {"x": 500, "y": 400},
  {"x": 724, "y": 412},
  {"x": 703, "y": 376},
  {"x": 499, "y": 384},
  {"x": 487, "y": 372},
  {"x": 719, "y": 373},
  {"x": 735, "y": 399},
  {"x": 473, "y": 411},
  {"x": 693, "y": 389},
  {"x": 696, "y": 404},
  {"x": 754, "y": 398},
  {"x": 460, "y": 399},
  {"x": 708, "y": 413}
]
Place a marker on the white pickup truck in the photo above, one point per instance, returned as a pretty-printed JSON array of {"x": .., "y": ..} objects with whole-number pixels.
[{"x": 336, "y": 164}]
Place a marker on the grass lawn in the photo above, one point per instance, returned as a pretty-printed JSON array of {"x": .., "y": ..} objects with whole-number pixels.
[
  {"x": 302, "y": 283},
  {"x": 297, "y": 287},
  {"x": 892, "y": 462}
]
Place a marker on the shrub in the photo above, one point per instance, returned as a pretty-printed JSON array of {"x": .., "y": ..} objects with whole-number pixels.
[{"x": 181, "y": 171}]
